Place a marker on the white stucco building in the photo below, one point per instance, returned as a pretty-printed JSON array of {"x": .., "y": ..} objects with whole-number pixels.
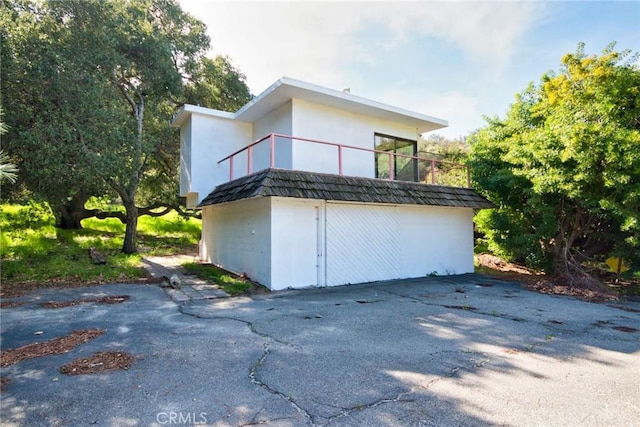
[{"x": 306, "y": 186}]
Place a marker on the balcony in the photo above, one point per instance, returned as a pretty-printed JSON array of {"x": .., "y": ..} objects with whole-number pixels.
[{"x": 311, "y": 155}]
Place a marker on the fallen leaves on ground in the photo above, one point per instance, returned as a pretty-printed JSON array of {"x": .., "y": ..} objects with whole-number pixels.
[
  {"x": 540, "y": 282},
  {"x": 102, "y": 300},
  {"x": 11, "y": 290},
  {"x": 99, "y": 362},
  {"x": 11, "y": 304},
  {"x": 54, "y": 346}
]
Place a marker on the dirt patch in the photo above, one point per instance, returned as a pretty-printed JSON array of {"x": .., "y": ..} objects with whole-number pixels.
[
  {"x": 11, "y": 304},
  {"x": 498, "y": 264},
  {"x": 628, "y": 309},
  {"x": 461, "y": 307},
  {"x": 624, "y": 329},
  {"x": 104, "y": 361},
  {"x": 4, "y": 382},
  {"x": 540, "y": 282},
  {"x": 54, "y": 346},
  {"x": 549, "y": 287},
  {"x": 101, "y": 300},
  {"x": 12, "y": 290}
]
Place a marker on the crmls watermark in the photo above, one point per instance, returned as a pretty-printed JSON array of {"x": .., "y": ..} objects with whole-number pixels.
[{"x": 181, "y": 418}]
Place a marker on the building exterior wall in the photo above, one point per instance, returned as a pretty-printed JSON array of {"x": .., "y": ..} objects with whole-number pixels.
[
  {"x": 277, "y": 121},
  {"x": 185, "y": 158},
  {"x": 436, "y": 240},
  {"x": 206, "y": 140},
  {"x": 320, "y": 122},
  {"x": 297, "y": 243},
  {"x": 237, "y": 236}
]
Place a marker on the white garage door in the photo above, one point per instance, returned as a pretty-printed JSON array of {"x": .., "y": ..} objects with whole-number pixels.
[{"x": 362, "y": 243}]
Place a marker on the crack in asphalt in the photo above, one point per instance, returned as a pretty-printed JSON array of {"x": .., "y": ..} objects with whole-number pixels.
[
  {"x": 312, "y": 419},
  {"x": 346, "y": 412},
  {"x": 263, "y": 422},
  {"x": 250, "y": 325},
  {"x": 256, "y": 366},
  {"x": 484, "y": 313},
  {"x": 253, "y": 376}
]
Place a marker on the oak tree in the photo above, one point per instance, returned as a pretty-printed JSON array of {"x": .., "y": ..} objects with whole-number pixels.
[{"x": 94, "y": 86}]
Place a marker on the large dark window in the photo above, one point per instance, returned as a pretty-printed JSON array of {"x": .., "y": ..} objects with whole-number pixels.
[{"x": 405, "y": 168}]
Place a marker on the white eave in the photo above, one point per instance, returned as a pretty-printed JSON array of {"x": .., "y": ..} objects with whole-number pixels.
[
  {"x": 187, "y": 109},
  {"x": 286, "y": 89}
]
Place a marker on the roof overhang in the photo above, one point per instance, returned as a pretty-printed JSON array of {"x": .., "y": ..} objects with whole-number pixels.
[
  {"x": 187, "y": 109},
  {"x": 320, "y": 186},
  {"x": 286, "y": 89}
]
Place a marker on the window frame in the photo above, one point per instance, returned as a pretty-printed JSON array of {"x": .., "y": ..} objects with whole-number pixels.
[{"x": 396, "y": 139}]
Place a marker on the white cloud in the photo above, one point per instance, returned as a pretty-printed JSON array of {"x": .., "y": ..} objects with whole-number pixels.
[
  {"x": 486, "y": 30},
  {"x": 316, "y": 41},
  {"x": 325, "y": 42},
  {"x": 459, "y": 109},
  {"x": 309, "y": 41}
]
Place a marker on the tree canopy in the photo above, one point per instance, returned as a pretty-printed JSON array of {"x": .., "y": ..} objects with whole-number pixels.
[
  {"x": 91, "y": 88},
  {"x": 563, "y": 166}
]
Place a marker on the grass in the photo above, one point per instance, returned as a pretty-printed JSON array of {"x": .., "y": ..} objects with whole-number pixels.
[
  {"x": 230, "y": 283},
  {"x": 33, "y": 251}
]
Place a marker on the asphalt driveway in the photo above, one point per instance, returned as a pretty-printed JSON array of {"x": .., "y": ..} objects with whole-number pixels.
[{"x": 463, "y": 350}]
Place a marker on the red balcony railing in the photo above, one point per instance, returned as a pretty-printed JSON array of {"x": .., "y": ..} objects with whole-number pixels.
[{"x": 423, "y": 169}]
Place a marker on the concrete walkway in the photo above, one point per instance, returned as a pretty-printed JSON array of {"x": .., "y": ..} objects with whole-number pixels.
[{"x": 191, "y": 287}]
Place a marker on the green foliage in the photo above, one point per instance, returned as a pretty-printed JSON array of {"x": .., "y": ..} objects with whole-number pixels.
[
  {"x": 229, "y": 283},
  {"x": 563, "y": 166},
  {"x": 32, "y": 250},
  {"x": 93, "y": 87},
  {"x": 450, "y": 150},
  {"x": 452, "y": 156},
  {"x": 218, "y": 84}
]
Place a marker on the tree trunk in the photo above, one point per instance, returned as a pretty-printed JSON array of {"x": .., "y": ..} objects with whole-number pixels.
[
  {"x": 561, "y": 268},
  {"x": 567, "y": 269},
  {"x": 70, "y": 213},
  {"x": 127, "y": 189},
  {"x": 130, "y": 233}
]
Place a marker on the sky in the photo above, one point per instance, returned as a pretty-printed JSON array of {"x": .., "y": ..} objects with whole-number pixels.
[{"x": 458, "y": 61}]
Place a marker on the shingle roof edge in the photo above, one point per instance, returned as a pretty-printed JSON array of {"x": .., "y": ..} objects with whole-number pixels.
[{"x": 310, "y": 185}]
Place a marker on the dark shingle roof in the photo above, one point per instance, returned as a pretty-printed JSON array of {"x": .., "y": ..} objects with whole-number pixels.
[{"x": 308, "y": 185}]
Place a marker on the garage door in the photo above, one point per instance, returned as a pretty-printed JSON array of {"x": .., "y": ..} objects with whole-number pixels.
[{"x": 362, "y": 243}]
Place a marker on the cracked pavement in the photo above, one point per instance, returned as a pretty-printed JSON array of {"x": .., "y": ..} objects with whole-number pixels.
[{"x": 437, "y": 351}]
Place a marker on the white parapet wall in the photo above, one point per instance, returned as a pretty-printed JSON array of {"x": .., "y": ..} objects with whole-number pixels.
[{"x": 206, "y": 136}]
